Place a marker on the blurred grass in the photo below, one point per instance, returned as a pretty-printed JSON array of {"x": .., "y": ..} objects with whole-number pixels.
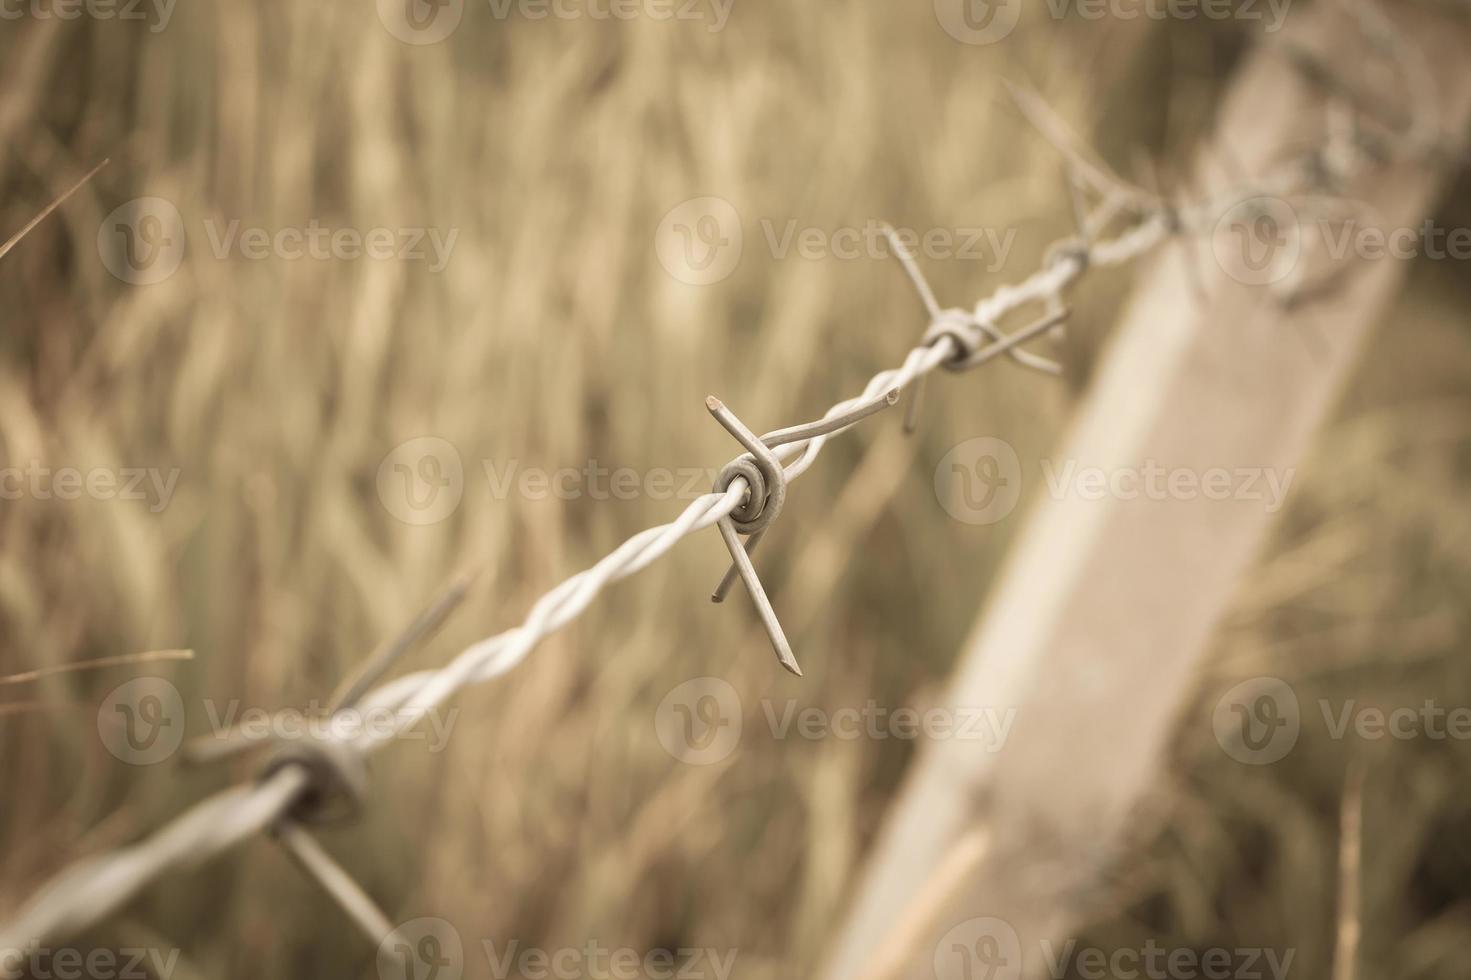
[{"x": 554, "y": 337}]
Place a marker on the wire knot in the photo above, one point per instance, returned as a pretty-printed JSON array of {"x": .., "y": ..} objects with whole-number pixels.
[
  {"x": 337, "y": 778},
  {"x": 766, "y": 492},
  {"x": 1075, "y": 250},
  {"x": 961, "y": 327},
  {"x": 766, "y": 481}
]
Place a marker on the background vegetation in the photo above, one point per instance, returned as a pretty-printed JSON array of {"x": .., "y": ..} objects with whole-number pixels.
[{"x": 554, "y": 337}]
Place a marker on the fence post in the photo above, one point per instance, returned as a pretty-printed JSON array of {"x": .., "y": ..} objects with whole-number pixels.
[{"x": 1104, "y": 607}]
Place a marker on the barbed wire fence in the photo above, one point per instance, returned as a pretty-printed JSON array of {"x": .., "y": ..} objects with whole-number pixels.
[{"x": 322, "y": 778}]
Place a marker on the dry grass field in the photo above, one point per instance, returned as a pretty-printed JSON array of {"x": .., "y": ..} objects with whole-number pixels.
[{"x": 550, "y": 336}]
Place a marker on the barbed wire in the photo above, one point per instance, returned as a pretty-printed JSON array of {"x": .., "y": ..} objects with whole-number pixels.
[{"x": 324, "y": 777}]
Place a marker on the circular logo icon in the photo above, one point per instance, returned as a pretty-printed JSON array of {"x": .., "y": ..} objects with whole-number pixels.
[
  {"x": 699, "y": 241},
  {"x": 1258, "y": 241},
  {"x": 422, "y": 480},
  {"x": 1257, "y": 722},
  {"x": 142, "y": 721},
  {"x": 978, "y": 21},
  {"x": 984, "y": 949},
  {"x": 142, "y": 241},
  {"x": 422, "y": 949},
  {"x": 979, "y": 481},
  {"x": 421, "y": 21},
  {"x": 699, "y": 722}
]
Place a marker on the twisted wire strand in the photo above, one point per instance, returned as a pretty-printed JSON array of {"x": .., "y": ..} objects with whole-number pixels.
[{"x": 92, "y": 888}]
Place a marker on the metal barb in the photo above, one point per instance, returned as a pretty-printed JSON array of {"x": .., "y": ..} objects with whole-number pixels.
[
  {"x": 748, "y": 575},
  {"x": 959, "y": 317},
  {"x": 762, "y": 510},
  {"x": 1023, "y": 335},
  {"x": 1044, "y": 119},
  {"x": 800, "y": 433}
]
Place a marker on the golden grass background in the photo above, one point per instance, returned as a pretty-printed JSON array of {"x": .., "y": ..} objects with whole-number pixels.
[{"x": 554, "y": 337}]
